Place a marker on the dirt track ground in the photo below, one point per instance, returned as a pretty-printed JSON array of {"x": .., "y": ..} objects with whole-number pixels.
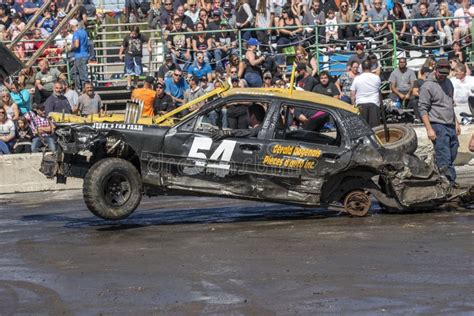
[{"x": 209, "y": 256}]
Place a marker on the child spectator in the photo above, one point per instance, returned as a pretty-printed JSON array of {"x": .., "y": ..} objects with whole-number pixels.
[
  {"x": 331, "y": 27},
  {"x": 24, "y": 137},
  {"x": 47, "y": 24},
  {"x": 43, "y": 131}
]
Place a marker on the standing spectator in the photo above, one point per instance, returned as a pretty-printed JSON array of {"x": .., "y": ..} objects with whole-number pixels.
[
  {"x": 463, "y": 91},
  {"x": 344, "y": 82},
  {"x": 163, "y": 102},
  {"x": 304, "y": 80},
  {"x": 193, "y": 92},
  {"x": 326, "y": 87},
  {"x": 89, "y": 102},
  {"x": 179, "y": 45},
  {"x": 57, "y": 102},
  {"x": 43, "y": 130},
  {"x": 147, "y": 95},
  {"x": 378, "y": 20},
  {"x": 132, "y": 46},
  {"x": 437, "y": 113},
  {"x": 21, "y": 97},
  {"x": 402, "y": 80},
  {"x": 253, "y": 73},
  {"x": 10, "y": 107},
  {"x": 365, "y": 94},
  {"x": 423, "y": 28},
  {"x": 7, "y": 132},
  {"x": 463, "y": 26},
  {"x": 80, "y": 49},
  {"x": 71, "y": 95},
  {"x": 200, "y": 68},
  {"x": 45, "y": 80},
  {"x": 24, "y": 137},
  {"x": 176, "y": 86}
]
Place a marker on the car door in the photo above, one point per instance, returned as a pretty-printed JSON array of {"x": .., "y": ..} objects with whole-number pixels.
[
  {"x": 193, "y": 160},
  {"x": 297, "y": 160}
]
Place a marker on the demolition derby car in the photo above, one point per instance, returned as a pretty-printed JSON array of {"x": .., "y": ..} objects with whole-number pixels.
[{"x": 304, "y": 148}]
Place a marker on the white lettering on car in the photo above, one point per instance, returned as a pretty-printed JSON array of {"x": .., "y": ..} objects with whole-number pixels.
[{"x": 220, "y": 157}]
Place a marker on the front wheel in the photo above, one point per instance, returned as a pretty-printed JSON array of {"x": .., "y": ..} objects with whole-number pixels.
[{"x": 112, "y": 189}]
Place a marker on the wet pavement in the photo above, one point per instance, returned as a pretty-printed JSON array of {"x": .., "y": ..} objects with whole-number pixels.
[{"x": 212, "y": 256}]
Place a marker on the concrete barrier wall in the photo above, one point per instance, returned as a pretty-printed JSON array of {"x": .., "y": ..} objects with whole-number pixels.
[{"x": 20, "y": 173}]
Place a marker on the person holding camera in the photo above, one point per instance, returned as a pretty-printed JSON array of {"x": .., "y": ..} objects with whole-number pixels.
[{"x": 254, "y": 60}]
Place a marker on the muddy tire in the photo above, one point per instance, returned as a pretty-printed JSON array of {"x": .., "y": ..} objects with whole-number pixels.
[
  {"x": 112, "y": 189},
  {"x": 401, "y": 138}
]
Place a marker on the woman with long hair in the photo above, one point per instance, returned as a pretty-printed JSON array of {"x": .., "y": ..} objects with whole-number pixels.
[
  {"x": 345, "y": 15},
  {"x": 344, "y": 82},
  {"x": 302, "y": 56},
  {"x": 244, "y": 18},
  {"x": 10, "y": 107},
  {"x": 288, "y": 36},
  {"x": 402, "y": 33},
  {"x": 443, "y": 26}
]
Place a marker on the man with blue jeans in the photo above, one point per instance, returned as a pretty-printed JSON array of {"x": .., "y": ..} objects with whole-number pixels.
[
  {"x": 80, "y": 49},
  {"x": 436, "y": 107},
  {"x": 43, "y": 131}
]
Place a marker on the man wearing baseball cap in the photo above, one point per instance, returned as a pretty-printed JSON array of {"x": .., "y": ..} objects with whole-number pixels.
[
  {"x": 436, "y": 107},
  {"x": 147, "y": 95},
  {"x": 80, "y": 50},
  {"x": 359, "y": 56}
]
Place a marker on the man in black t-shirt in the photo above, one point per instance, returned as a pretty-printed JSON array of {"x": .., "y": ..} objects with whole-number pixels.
[
  {"x": 326, "y": 87},
  {"x": 225, "y": 44},
  {"x": 132, "y": 46},
  {"x": 179, "y": 45},
  {"x": 305, "y": 80},
  {"x": 167, "y": 66},
  {"x": 163, "y": 102}
]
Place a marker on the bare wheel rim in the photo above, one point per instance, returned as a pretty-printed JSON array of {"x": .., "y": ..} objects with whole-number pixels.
[
  {"x": 394, "y": 135},
  {"x": 357, "y": 203},
  {"x": 116, "y": 189}
]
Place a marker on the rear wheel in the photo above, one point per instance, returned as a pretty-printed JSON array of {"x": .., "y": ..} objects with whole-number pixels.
[
  {"x": 112, "y": 189},
  {"x": 400, "y": 137},
  {"x": 357, "y": 203}
]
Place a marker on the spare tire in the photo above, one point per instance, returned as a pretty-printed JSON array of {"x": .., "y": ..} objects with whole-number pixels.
[{"x": 401, "y": 138}]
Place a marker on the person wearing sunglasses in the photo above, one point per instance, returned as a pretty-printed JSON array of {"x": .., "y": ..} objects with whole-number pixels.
[
  {"x": 163, "y": 102},
  {"x": 7, "y": 132},
  {"x": 193, "y": 11},
  {"x": 175, "y": 87}
]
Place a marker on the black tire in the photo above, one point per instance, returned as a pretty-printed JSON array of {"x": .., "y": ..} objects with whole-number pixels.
[
  {"x": 112, "y": 189},
  {"x": 401, "y": 138}
]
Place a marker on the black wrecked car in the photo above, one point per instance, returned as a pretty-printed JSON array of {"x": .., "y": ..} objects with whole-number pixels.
[{"x": 303, "y": 148}]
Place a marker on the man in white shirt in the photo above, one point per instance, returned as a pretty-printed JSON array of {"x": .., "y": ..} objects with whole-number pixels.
[
  {"x": 463, "y": 90},
  {"x": 365, "y": 94}
]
